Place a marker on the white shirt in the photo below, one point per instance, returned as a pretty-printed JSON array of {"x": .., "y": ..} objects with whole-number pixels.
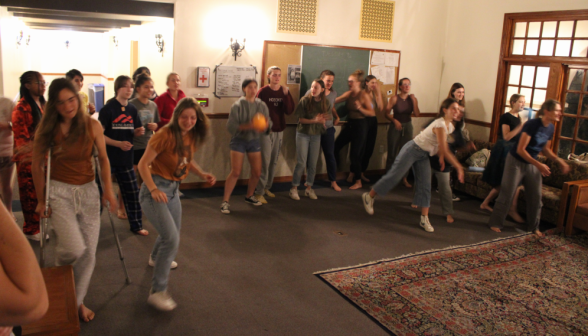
[{"x": 427, "y": 140}]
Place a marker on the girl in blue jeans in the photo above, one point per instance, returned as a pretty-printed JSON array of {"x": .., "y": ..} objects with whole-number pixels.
[
  {"x": 166, "y": 162},
  {"x": 415, "y": 154}
]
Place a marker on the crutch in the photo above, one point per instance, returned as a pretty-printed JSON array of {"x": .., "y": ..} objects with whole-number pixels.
[
  {"x": 120, "y": 252},
  {"x": 45, "y": 221}
]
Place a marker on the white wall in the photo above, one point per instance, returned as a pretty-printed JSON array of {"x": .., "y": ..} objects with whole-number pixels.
[
  {"x": 15, "y": 59},
  {"x": 472, "y": 46}
]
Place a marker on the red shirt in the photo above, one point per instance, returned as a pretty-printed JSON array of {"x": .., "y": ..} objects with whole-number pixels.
[
  {"x": 166, "y": 105},
  {"x": 278, "y": 104}
]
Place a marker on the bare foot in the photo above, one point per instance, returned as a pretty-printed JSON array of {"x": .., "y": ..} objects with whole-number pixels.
[
  {"x": 406, "y": 184},
  {"x": 485, "y": 207},
  {"x": 414, "y": 206},
  {"x": 539, "y": 233},
  {"x": 495, "y": 229},
  {"x": 142, "y": 232},
  {"x": 335, "y": 186},
  {"x": 365, "y": 179},
  {"x": 121, "y": 214},
  {"x": 515, "y": 215},
  {"x": 350, "y": 177},
  {"x": 86, "y": 314},
  {"x": 357, "y": 185},
  {"x": 450, "y": 219}
]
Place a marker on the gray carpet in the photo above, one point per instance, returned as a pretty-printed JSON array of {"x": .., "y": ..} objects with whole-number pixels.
[{"x": 251, "y": 272}]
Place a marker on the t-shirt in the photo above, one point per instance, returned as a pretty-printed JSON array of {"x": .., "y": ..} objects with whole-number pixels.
[
  {"x": 148, "y": 113},
  {"x": 166, "y": 105},
  {"x": 168, "y": 164},
  {"x": 540, "y": 135},
  {"x": 278, "y": 104},
  {"x": 303, "y": 112},
  {"x": 119, "y": 124},
  {"x": 242, "y": 112},
  {"x": 427, "y": 140},
  {"x": 331, "y": 98},
  {"x": 512, "y": 122}
]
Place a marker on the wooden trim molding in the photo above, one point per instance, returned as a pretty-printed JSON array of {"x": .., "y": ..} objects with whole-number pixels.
[
  {"x": 478, "y": 123},
  {"x": 85, "y": 75}
]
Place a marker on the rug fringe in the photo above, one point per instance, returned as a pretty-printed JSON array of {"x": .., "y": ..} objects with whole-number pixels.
[{"x": 422, "y": 252}]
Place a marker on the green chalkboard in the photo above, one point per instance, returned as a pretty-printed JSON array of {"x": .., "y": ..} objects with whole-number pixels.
[{"x": 343, "y": 62}]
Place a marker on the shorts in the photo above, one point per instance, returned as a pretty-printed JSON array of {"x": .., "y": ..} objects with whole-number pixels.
[
  {"x": 6, "y": 162},
  {"x": 137, "y": 155},
  {"x": 245, "y": 146}
]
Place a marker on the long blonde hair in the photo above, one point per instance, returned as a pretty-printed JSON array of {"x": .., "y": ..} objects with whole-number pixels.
[{"x": 198, "y": 133}]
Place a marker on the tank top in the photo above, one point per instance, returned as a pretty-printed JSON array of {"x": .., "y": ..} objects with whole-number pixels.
[
  {"x": 353, "y": 111},
  {"x": 72, "y": 163},
  {"x": 403, "y": 109}
]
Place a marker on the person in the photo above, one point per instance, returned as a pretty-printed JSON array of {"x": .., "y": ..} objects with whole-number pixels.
[
  {"x": 166, "y": 103},
  {"x": 78, "y": 80},
  {"x": 415, "y": 154},
  {"x": 139, "y": 71},
  {"x": 457, "y": 92},
  {"x": 400, "y": 109},
  {"x": 149, "y": 116},
  {"x": 6, "y": 152},
  {"x": 331, "y": 120},
  {"x": 279, "y": 103},
  {"x": 68, "y": 131},
  {"x": 522, "y": 166},
  {"x": 359, "y": 105},
  {"x": 372, "y": 87},
  {"x": 311, "y": 124},
  {"x": 121, "y": 125},
  {"x": 25, "y": 118},
  {"x": 509, "y": 131},
  {"x": 168, "y": 160},
  {"x": 23, "y": 298},
  {"x": 245, "y": 140}
]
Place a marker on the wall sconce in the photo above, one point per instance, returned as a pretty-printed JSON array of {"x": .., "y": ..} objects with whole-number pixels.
[
  {"x": 67, "y": 44},
  {"x": 115, "y": 41},
  {"x": 19, "y": 38},
  {"x": 237, "y": 48},
  {"x": 159, "y": 42}
]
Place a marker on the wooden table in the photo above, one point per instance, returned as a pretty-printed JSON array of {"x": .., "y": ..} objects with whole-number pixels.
[{"x": 62, "y": 317}]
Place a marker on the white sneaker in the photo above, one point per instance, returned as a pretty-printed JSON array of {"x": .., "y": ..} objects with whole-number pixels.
[
  {"x": 36, "y": 236},
  {"x": 161, "y": 301},
  {"x": 310, "y": 194},
  {"x": 425, "y": 224},
  {"x": 225, "y": 208},
  {"x": 368, "y": 203},
  {"x": 261, "y": 199},
  {"x": 294, "y": 194},
  {"x": 174, "y": 264}
]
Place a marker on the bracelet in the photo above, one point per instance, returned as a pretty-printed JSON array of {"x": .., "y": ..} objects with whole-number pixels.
[{"x": 152, "y": 190}]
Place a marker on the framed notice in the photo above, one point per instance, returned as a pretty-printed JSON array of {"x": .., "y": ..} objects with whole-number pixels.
[
  {"x": 203, "y": 77},
  {"x": 228, "y": 79}
]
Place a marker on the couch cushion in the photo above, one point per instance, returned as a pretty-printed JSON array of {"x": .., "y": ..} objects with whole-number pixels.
[
  {"x": 549, "y": 196},
  {"x": 578, "y": 171},
  {"x": 472, "y": 177}
]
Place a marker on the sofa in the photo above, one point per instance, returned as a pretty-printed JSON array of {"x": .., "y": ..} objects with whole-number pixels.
[{"x": 551, "y": 190}]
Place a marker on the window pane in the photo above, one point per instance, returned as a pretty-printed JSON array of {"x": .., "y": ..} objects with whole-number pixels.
[
  {"x": 517, "y": 47},
  {"x": 549, "y": 29},
  {"x": 581, "y": 29},
  {"x": 520, "y": 29},
  {"x": 567, "y": 127},
  {"x": 534, "y": 28},
  {"x": 565, "y": 29},
  {"x": 565, "y": 147},
  {"x": 538, "y": 98},
  {"x": 584, "y": 109},
  {"x": 575, "y": 80},
  {"x": 580, "y": 148},
  {"x": 582, "y": 130},
  {"x": 563, "y": 48},
  {"x": 571, "y": 103},
  {"x": 546, "y": 47},
  {"x": 532, "y": 47},
  {"x": 510, "y": 91},
  {"x": 528, "y": 75},
  {"x": 580, "y": 48},
  {"x": 527, "y": 93},
  {"x": 515, "y": 74},
  {"x": 542, "y": 77}
]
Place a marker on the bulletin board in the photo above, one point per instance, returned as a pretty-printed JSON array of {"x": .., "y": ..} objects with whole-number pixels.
[{"x": 340, "y": 59}]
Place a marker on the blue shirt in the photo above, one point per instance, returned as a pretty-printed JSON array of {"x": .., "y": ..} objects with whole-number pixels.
[{"x": 539, "y": 134}]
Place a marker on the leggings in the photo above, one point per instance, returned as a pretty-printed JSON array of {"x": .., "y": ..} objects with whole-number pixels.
[
  {"x": 328, "y": 146},
  {"x": 359, "y": 131},
  {"x": 370, "y": 141}
]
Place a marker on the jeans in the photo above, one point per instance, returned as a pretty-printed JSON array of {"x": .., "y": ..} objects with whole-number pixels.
[
  {"x": 328, "y": 146},
  {"x": 411, "y": 155},
  {"x": 270, "y": 153},
  {"x": 307, "y": 151},
  {"x": 167, "y": 220},
  {"x": 445, "y": 193}
]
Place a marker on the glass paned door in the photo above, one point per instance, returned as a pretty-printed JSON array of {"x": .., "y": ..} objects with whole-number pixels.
[
  {"x": 530, "y": 81},
  {"x": 573, "y": 131}
]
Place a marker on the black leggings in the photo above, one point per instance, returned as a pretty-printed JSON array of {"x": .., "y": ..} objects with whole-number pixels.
[
  {"x": 355, "y": 132},
  {"x": 370, "y": 141}
]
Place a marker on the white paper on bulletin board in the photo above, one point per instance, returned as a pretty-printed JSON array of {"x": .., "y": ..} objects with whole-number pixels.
[{"x": 229, "y": 79}]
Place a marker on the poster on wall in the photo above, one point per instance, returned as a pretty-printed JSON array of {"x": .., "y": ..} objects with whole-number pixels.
[{"x": 294, "y": 74}]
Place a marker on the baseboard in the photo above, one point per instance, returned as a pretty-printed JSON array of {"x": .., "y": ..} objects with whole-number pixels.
[{"x": 280, "y": 179}]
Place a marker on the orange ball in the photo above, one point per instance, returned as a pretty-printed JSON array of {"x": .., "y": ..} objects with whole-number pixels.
[{"x": 259, "y": 122}]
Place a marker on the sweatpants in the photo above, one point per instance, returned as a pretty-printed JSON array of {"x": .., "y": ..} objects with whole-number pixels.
[
  {"x": 370, "y": 141},
  {"x": 445, "y": 193},
  {"x": 396, "y": 140},
  {"x": 167, "y": 220},
  {"x": 75, "y": 218},
  {"x": 328, "y": 146},
  {"x": 28, "y": 198},
  {"x": 307, "y": 152},
  {"x": 127, "y": 182},
  {"x": 516, "y": 171},
  {"x": 270, "y": 153}
]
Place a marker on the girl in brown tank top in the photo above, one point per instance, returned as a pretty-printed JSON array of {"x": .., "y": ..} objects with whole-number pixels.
[{"x": 71, "y": 134}]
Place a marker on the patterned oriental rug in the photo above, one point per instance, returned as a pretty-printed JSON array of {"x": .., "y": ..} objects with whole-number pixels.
[{"x": 521, "y": 285}]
